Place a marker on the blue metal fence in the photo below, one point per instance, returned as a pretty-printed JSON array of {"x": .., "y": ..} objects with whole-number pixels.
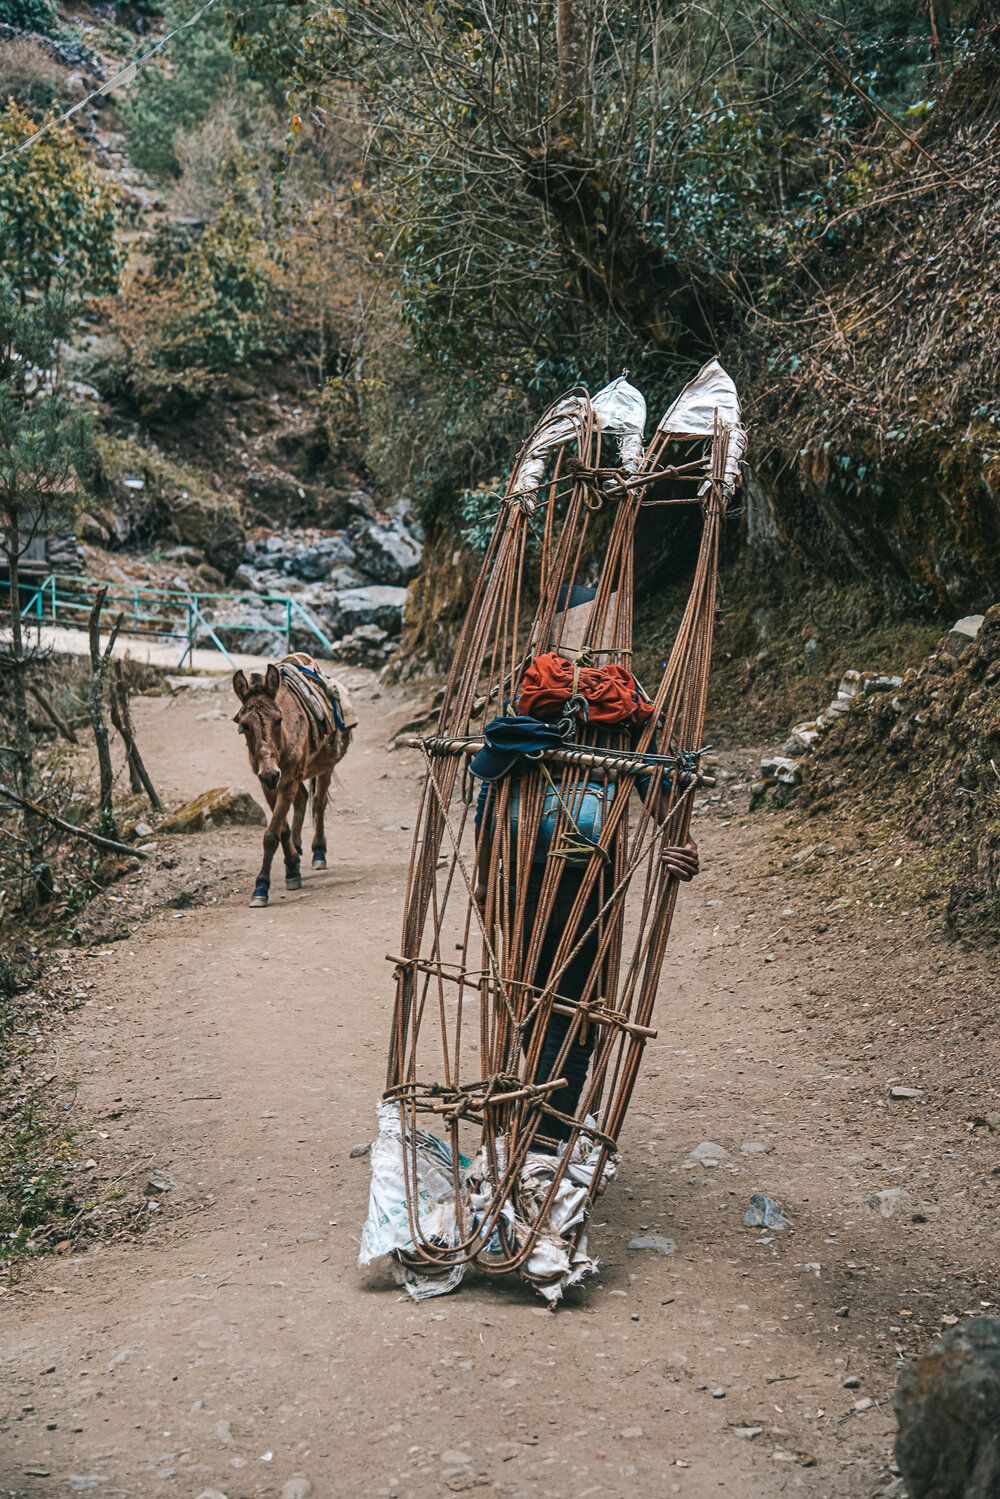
[{"x": 162, "y": 614}]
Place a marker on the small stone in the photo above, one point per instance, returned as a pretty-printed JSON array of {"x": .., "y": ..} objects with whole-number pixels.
[
  {"x": 211, "y": 1494},
  {"x": 453, "y": 1458},
  {"x": 708, "y": 1151},
  {"x": 296, "y": 1488},
  {"x": 719, "y": 1394},
  {"x": 357, "y": 1151},
  {"x": 653, "y": 1241},
  {"x": 755, "y": 1147},
  {"x": 890, "y": 1201},
  {"x": 962, "y": 632},
  {"x": 160, "y": 1181},
  {"x": 632, "y": 1432},
  {"x": 852, "y": 1382},
  {"x": 747, "y": 1432},
  {"x": 142, "y": 830},
  {"x": 864, "y": 1404},
  {"x": 844, "y": 1311},
  {"x": 307, "y": 1239},
  {"x": 635, "y": 1316},
  {"x": 764, "y": 1212},
  {"x": 905, "y": 1092}
]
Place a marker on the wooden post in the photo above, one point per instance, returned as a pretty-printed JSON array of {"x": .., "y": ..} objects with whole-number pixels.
[
  {"x": 121, "y": 717},
  {"x": 98, "y": 664}
]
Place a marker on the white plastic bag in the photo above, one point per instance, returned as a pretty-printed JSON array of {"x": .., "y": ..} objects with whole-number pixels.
[
  {"x": 387, "y": 1229},
  {"x": 553, "y": 1264}
]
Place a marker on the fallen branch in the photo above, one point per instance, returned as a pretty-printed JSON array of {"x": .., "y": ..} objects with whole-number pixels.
[
  {"x": 50, "y": 713},
  {"x": 121, "y": 717},
  {"x": 68, "y": 827}
]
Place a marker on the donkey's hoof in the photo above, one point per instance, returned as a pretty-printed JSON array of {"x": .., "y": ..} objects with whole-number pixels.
[
  {"x": 258, "y": 900},
  {"x": 293, "y": 882},
  {"x": 319, "y": 863}
]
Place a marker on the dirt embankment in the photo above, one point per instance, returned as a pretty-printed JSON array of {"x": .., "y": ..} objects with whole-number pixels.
[
  {"x": 924, "y": 761},
  {"x": 234, "y": 1346}
]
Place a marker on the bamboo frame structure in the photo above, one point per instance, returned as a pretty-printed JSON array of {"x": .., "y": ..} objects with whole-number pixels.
[{"x": 471, "y": 1008}]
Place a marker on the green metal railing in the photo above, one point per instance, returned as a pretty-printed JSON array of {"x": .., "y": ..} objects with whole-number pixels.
[{"x": 162, "y": 614}]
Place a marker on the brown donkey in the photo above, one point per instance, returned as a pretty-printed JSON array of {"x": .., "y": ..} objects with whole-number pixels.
[{"x": 297, "y": 727}]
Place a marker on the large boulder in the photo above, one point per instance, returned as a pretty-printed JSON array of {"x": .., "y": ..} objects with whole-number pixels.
[
  {"x": 223, "y": 807},
  {"x": 209, "y": 522},
  {"x": 365, "y": 646},
  {"x": 386, "y": 550},
  {"x": 375, "y": 605},
  {"x": 947, "y": 1404}
]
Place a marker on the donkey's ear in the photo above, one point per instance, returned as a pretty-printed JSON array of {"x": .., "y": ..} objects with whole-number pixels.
[
  {"x": 272, "y": 681},
  {"x": 240, "y": 685}
]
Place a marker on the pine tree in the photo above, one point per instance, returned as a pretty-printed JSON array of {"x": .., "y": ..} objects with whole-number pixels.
[
  {"x": 43, "y": 440},
  {"x": 58, "y": 243}
]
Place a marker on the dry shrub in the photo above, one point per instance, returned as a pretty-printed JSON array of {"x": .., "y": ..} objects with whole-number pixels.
[
  {"x": 232, "y": 147},
  {"x": 30, "y": 75}
]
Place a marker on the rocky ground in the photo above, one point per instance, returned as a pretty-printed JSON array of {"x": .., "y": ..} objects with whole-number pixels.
[{"x": 823, "y": 1047}]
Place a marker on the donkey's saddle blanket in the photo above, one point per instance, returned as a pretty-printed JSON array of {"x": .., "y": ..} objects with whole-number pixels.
[{"x": 324, "y": 700}]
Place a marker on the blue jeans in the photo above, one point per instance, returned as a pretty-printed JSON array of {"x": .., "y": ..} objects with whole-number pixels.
[{"x": 571, "y": 985}]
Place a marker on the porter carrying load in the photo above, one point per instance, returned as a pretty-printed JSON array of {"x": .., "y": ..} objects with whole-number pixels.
[{"x": 538, "y": 904}]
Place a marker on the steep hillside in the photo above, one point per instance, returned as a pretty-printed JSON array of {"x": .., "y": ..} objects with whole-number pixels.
[{"x": 873, "y": 401}]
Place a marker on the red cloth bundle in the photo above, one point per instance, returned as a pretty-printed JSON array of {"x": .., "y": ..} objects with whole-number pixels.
[{"x": 612, "y": 693}]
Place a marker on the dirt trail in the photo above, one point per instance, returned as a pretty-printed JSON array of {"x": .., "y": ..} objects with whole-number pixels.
[{"x": 235, "y": 1345}]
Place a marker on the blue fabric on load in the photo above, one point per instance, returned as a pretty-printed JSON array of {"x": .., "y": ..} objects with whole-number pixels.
[
  {"x": 509, "y": 739},
  {"x": 329, "y": 692},
  {"x": 587, "y": 806}
]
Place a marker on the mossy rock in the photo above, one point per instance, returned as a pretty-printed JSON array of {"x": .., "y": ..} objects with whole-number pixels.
[
  {"x": 223, "y": 807},
  {"x": 173, "y": 503}
]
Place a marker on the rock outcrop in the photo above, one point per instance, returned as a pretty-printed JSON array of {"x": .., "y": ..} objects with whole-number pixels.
[
  {"x": 947, "y": 1404},
  {"x": 223, "y": 807}
]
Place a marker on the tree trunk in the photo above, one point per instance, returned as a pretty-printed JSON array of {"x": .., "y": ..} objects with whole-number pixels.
[
  {"x": 614, "y": 264},
  {"x": 22, "y": 733},
  {"x": 100, "y": 728},
  {"x": 571, "y": 49},
  {"x": 121, "y": 717}
]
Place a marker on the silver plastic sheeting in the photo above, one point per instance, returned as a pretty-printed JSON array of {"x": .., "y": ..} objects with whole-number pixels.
[
  {"x": 620, "y": 410},
  {"x": 564, "y": 421},
  {"x": 693, "y": 414}
]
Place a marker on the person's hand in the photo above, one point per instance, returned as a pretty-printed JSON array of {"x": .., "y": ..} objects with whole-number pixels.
[
  {"x": 682, "y": 862},
  {"x": 479, "y": 894}
]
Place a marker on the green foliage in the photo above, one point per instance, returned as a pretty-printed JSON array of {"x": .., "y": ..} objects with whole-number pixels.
[
  {"x": 33, "y": 1188},
  {"x": 201, "y": 311},
  {"x": 706, "y": 164},
  {"x": 43, "y": 436},
  {"x": 180, "y": 93},
  {"x": 58, "y": 217},
  {"x": 29, "y": 15}
]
